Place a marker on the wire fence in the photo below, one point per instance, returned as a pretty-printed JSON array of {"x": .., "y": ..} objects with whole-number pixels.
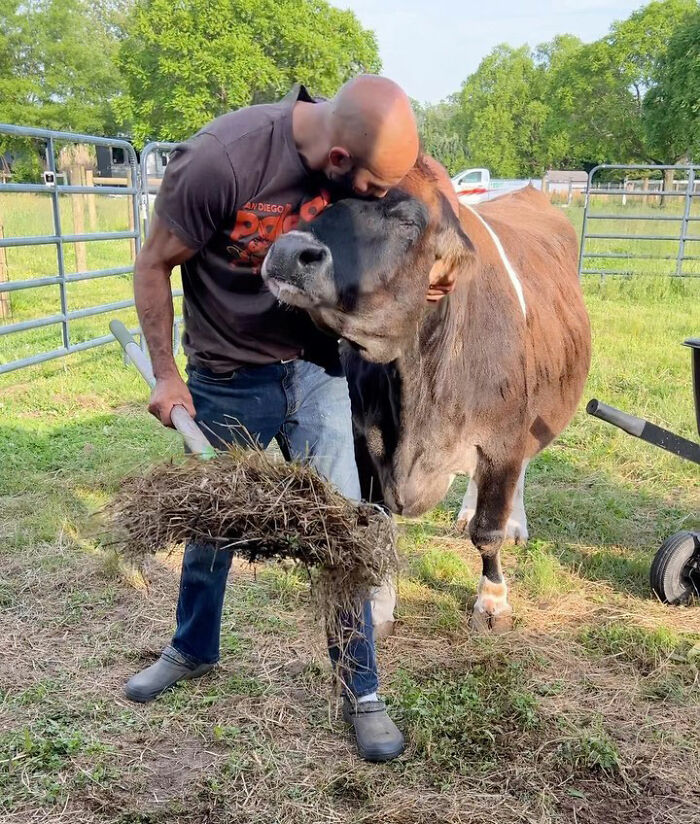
[{"x": 73, "y": 229}]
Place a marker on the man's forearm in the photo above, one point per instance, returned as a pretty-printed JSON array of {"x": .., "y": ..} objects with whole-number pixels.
[{"x": 154, "y": 304}]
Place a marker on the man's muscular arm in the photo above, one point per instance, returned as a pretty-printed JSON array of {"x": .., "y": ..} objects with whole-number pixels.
[{"x": 161, "y": 252}]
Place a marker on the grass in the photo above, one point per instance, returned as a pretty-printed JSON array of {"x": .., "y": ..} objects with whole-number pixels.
[
  {"x": 465, "y": 721},
  {"x": 25, "y": 215},
  {"x": 587, "y": 711}
]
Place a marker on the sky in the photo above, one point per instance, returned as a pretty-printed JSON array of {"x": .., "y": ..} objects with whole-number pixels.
[{"x": 430, "y": 46}]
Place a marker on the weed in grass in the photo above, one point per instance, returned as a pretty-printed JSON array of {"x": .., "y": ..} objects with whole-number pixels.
[
  {"x": 349, "y": 786},
  {"x": 43, "y": 753},
  {"x": 232, "y": 644},
  {"x": 647, "y": 650},
  {"x": 667, "y": 687},
  {"x": 240, "y": 685},
  {"x": 7, "y": 595},
  {"x": 589, "y": 751},
  {"x": 226, "y": 734},
  {"x": 466, "y": 721},
  {"x": 539, "y": 572},
  {"x": 436, "y": 611},
  {"x": 442, "y": 569},
  {"x": 39, "y": 692}
]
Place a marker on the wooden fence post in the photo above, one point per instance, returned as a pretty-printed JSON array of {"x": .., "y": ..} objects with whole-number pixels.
[
  {"x": 91, "y": 200},
  {"x": 5, "y": 304},
  {"x": 78, "y": 219},
  {"x": 130, "y": 215}
]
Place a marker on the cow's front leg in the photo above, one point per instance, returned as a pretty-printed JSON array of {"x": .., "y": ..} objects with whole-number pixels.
[
  {"x": 516, "y": 525},
  {"x": 496, "y": 484}
]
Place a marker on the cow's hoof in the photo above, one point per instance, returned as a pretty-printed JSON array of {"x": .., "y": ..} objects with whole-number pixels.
[
  {"x": 383, "y": 630},
  {"x": 482, "y": 623}
]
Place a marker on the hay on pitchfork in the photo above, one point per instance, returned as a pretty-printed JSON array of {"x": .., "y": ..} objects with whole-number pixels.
[{"x": 249, "y": 503}]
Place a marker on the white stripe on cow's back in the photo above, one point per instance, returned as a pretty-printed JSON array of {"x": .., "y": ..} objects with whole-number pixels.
[{"x": 512, "y": 274}]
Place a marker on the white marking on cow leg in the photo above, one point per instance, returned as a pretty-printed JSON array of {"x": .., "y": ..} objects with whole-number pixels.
[
  {"x": 383, "y": 603},
  {"x": 492, "y": 612},
  {"x": 492, "y": 598},
  {"x": 466, "y": 513},
  {"x": 516, "y": 527}
]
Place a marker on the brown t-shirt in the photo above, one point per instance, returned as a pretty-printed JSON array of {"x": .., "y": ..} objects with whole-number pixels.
[{"x": 228, "y": 193}]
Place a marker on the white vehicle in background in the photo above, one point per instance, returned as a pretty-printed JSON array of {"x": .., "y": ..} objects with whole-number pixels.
[
  {"x": 476, "y": 185},
  {"x": 471, "y": 185}
]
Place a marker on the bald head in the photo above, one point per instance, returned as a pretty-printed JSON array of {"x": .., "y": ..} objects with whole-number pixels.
[{"x": 373, "y": 134}]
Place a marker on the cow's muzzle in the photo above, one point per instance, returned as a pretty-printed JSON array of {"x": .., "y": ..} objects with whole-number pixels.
[{"x": 297, "y": 268}]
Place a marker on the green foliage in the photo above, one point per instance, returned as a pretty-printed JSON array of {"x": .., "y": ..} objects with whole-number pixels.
[
  {"x": 646, "y": 650},
  {"x": 539, "y": 572},
  {"x": 189, "y": 62},
  {"x": 439, "y": 135},
  {"x": 442, "y": 569},
  {"x": 26, "y": 166},
  {"x": 501, "y": 113},
  {"x": 572, "y": 105},
  {"x": 57, "y": 64},
  {"x": 37, "y": 760},
  {"x": 590, "y": 751},
  {"x": 596, "y": 90},
  {"x": 464, "y": 721},
  {"x": 672, "y": 104}
]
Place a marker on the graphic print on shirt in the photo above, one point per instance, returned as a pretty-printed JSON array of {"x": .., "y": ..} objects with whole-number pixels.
[{"x": 259, "y": 224}]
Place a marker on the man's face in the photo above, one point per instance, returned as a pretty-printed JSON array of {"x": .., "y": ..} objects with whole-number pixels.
[{"x": 351, "y": 178}]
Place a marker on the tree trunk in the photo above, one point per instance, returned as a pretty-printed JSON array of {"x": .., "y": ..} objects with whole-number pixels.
[{"x": 667, "y": 186}]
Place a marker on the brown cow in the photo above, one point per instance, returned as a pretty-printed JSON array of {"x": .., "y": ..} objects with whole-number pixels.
[{"x": 477, "y": 383}]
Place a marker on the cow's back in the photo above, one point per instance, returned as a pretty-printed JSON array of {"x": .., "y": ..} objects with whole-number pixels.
[{"x": 542, "y": 246}]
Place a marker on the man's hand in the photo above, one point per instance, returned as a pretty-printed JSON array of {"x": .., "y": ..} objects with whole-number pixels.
[
  {"x": 440, "y": 280},
  {"x": 169, "y": 392}
]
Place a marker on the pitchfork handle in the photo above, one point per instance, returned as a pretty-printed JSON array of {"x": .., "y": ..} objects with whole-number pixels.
[{"x": 182, "y": 420}]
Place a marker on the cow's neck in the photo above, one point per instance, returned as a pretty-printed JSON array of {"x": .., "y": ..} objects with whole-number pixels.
[{"x": 463, "y": 345}]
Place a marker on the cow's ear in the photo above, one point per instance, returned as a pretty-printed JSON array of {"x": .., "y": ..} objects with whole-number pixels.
[{"x": 411, "y": 214}]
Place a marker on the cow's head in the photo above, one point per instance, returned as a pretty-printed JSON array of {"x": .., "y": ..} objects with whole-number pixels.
[{"x": 362, "y": 268}]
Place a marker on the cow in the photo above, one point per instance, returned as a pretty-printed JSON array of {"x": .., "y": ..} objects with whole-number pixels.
[{"x": 476, "y": 383}]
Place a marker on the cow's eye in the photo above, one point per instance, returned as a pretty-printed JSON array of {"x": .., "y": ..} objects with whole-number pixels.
[{"x": 412, "y": 216}]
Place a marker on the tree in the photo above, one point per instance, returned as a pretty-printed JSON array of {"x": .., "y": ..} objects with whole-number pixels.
[
  {"x": 501, "y": 113},
  {"x": 439, "y": 137},
  {"x": 672, "y": 104},
  {"x": 57, "y": 65},
  {"x": 596, "y": 91},
  {"x": 187, "y": 62}
]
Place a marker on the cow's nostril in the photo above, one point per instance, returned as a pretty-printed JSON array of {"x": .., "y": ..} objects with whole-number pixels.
[{"x": 312, "y": 255}]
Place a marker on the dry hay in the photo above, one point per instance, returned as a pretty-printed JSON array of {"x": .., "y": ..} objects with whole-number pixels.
[{"x": 249, "y": 503}]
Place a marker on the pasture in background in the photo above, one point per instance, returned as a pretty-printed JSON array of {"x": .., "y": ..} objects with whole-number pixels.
[{"x": 590, "y": 707}]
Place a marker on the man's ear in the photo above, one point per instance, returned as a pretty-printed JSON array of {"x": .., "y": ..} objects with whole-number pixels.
[{"x": 340, "y": 159}]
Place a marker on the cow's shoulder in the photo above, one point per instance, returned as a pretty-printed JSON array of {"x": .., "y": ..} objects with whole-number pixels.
[{"x": 528, "y": 219}]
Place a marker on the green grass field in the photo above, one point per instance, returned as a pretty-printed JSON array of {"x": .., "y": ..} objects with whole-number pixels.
[{"x": 588, "y": 711}]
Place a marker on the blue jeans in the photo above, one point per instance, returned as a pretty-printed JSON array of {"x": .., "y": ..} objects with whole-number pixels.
[{"x": 306, "y": 409}]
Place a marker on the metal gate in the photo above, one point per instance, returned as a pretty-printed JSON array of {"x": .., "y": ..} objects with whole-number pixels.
[
  {"x": 153, "y": 160},
  {"x": 69, "y": 267},
  {"x": 634, "y": 225}
]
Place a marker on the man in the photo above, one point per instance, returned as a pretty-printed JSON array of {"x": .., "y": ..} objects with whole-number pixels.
[{"x": 253, "y": 366}]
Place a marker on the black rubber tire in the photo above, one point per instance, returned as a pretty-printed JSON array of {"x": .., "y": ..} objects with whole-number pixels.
[{"x": 666, "y": 576}]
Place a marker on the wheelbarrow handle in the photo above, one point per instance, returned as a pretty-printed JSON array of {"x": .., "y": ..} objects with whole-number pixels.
[
  {"x": 630, "y": 423},
  {"x": 185, "y": 424}
]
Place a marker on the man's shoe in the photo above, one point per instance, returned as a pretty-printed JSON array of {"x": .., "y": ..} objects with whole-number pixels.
[
  {"x": 378, "y": 738},
  {"x": 170, "y": 668}
]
